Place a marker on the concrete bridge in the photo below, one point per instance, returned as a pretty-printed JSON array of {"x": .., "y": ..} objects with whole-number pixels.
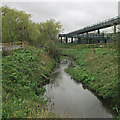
[{"x": 92, "y": 38}]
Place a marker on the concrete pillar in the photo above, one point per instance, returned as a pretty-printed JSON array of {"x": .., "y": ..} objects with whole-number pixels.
[
  {"x": 87, "y": 38},
  {"x": 114, "y": 29},
  {"x": 71, "y": 39},
  {"x": 98, "y": 36},
  {"x": 98, "y": 31},
  {"x": 66, "y": 39},
  {"x": 61, "y": 39}
]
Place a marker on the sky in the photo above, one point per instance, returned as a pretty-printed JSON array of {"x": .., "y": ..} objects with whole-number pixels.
[{"x": 72, "y": 15}]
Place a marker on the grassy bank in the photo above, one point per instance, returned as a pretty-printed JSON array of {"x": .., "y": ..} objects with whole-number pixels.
[
  {"x": 23, "y": 75},
  {"x": 98, "y": 72}
]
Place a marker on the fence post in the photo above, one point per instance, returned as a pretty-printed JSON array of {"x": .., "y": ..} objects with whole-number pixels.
[
  {"x": 15, "y": 45},
  {"x": 23, "y": 45},
  {"x": 10, "y": 46}
]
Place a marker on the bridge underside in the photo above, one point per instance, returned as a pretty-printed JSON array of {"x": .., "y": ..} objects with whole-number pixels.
[
  {"x": 88, "y": 39},
  {"x": 84, "y": 37}
]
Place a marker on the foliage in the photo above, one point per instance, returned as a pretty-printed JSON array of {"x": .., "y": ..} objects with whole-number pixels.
[
  {"x": 116, "y": 44},
  {"x": 17, "y": 26},
  {"x": 98, "y": 72},
  {"x": 22, "y": 83},
  {"x": 52, "y": 50},
  {"x": 22, "y": 73},
  {"x": 49, "y": 31}
]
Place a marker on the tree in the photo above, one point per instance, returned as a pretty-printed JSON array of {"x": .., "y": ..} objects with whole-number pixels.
[
  {"x": 49, "y": 31},
  {"x": 15, "y": 25}
]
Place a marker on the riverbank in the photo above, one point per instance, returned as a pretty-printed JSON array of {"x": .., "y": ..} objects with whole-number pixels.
[
  {"x": 98, "y": 72},
  {"x": 70, "y": 99},
  {"x": 24, "y": 73}
]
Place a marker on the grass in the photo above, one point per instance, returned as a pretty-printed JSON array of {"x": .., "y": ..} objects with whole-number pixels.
[
  {"x": 78, "y": 46},
  {"x": 23, "y": 81},
  {"x": 98, "y": 72},
  {"x": 24, "y": 74}
]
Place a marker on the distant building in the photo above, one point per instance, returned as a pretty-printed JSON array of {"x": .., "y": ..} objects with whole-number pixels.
[{"x": 119, "y": 8}]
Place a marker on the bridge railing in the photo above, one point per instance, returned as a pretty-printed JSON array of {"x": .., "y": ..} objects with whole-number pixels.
[
  {"x": 105, "y": 21},
  {"x": 99, "y": 25}
]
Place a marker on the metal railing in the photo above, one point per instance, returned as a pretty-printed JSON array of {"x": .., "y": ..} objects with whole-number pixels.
[{"x": 99, "y": 25}]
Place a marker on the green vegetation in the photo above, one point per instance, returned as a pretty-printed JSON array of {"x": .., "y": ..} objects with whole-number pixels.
[
  {"x": 17, "y": 26},
  {"x": 26, "y": 71},
  {"x": 23, "y": 77},
  {"x": 98, "y": 72}
]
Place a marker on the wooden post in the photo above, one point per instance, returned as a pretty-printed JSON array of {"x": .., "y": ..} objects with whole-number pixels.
[{"x": 10, "y": 47}]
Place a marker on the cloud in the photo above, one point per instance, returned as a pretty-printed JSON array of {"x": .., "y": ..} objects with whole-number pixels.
[
  {"x": 72, "y": 15},
  {"x": 59, "y": 0}
]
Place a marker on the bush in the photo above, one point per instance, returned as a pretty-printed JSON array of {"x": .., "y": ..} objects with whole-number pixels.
[
  {"x": 52, "y": 50},
  {"x": 22, "y": 82}
]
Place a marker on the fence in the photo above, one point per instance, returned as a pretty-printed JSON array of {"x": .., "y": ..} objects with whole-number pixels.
[
  {"x": 78, "y": 46},
  {"x": 12, "y": 46},
  {"x": 98, "y": 45}
]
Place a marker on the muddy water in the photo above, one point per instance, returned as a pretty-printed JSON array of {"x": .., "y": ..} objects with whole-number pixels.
[{"x": 69, "y": 99}]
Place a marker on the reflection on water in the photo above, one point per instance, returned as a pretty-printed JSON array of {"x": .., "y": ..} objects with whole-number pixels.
[{"x": 69, "y": 99}]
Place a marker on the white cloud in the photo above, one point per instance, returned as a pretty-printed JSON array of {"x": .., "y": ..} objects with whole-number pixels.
[
  {"x": 59, "y": 0},
  {"x": 72, "y": 15}
]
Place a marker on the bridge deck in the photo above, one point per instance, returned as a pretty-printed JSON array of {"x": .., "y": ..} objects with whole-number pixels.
[{"x": 100, "y": 25}]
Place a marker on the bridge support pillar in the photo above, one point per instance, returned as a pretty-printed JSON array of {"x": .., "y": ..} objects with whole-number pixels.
[
  {"x": 114, "y": 29},
  {"x": 61, "y": 39},
  {"x": 87, "y": 38},
  {"x": 98, "y": 31},
  {"x": 71, "y": 39},
  {"x": 66, "y": 39},
  {"x": 98, "y": 35},
  {"x": 79, "y": 40}
]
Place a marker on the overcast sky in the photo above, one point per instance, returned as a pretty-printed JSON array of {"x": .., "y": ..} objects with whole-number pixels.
[{"x": 72, "y": 15}]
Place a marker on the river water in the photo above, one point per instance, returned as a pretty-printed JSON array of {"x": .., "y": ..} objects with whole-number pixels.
[{"x": 69, "y": 99}]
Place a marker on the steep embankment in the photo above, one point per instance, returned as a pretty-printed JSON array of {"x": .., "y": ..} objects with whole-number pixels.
[
  {"x": 23, "y": 77},
  {"x": 98, "y": 72}
]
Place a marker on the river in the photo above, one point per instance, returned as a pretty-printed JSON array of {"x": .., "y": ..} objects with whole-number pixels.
[{"x": 70, "y": 99}]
